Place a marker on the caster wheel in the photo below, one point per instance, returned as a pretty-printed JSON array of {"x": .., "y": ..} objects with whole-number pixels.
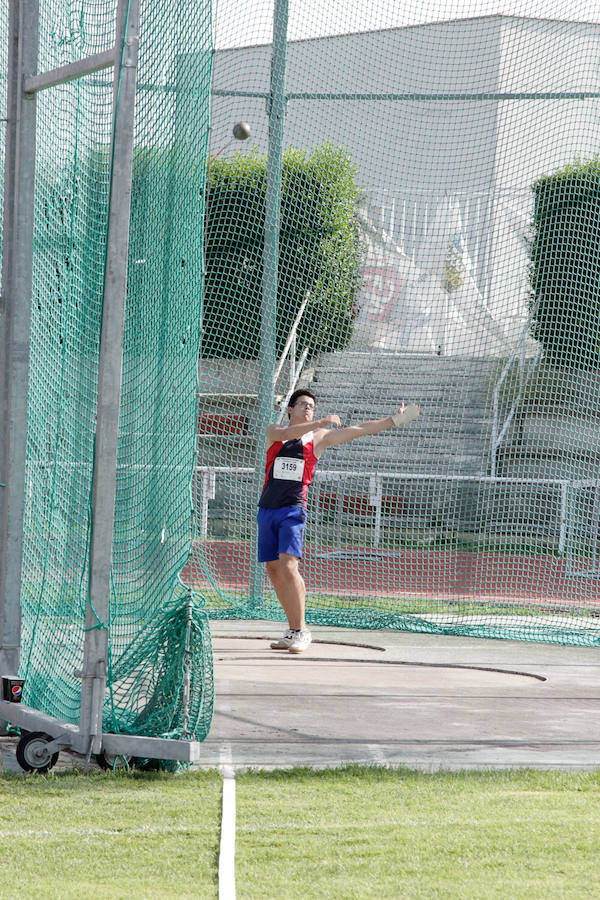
[
  {"x": 111, "y": 763},
  {"x": 32, "y": 752}
]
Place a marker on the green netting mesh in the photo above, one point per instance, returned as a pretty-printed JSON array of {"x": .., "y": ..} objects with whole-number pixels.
[
  {"x": 439, "y": 243},
  {"x": 438, "y": 228},
  {"x": 160, "y": 663}
]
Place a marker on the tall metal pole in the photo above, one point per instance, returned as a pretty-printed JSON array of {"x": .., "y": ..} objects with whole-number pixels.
[
  {"x": 15, "y": 317},
  {"x": 110, "y": 378},
  {"x": 276, "y": 113}
]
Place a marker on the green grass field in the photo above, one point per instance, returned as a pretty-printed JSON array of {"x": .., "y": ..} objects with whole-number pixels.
[
  {"x": 105, "y": 835},
  {"x": 350, "y": 833},
  {"x": 379, "y": 833}
]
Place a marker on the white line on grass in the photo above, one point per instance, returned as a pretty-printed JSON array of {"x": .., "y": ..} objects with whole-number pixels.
[
  {"x": 227, "y": 848},
  {"x": 105, "y": 832}
]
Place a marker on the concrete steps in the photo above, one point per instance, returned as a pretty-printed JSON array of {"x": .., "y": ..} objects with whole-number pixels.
[
  {"x": 451, "y": 438},
  {"x": 453, "y": 434}
]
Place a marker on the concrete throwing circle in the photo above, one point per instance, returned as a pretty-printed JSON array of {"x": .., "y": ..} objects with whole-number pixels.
[
  {"x": 345, "y": 702},
  {"x": 252, "y": 661}
]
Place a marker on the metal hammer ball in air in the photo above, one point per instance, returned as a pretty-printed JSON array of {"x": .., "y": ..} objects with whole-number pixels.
[{"x": 241, "y": 131}]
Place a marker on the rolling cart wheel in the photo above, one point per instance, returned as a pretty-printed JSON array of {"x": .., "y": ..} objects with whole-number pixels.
[
  {"x": 110, "y": 762},
  {"x": 32, "y": 752}
]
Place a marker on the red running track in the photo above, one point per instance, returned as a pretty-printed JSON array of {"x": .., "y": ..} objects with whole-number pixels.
[{"x": 433, "y": 573}]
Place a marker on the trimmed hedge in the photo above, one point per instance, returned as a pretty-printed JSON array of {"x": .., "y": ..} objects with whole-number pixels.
[
  {"x": 319, "y": 252},
  {"x": 565, "y": 265}
]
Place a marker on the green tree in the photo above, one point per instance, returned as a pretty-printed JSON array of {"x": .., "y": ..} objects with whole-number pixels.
[
  {"x": 565, "y": 265},
  {"x": 319, "y": 251}
]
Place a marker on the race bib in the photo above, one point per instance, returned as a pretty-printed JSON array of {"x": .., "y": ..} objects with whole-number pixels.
[{"x": 288, "y": 469}]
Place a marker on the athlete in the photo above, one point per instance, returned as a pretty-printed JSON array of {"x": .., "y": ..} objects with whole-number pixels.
[{"x": 292, "y": 454}]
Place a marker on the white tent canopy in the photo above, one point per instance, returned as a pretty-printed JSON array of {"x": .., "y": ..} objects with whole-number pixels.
[{"x": 431, "y": 304}]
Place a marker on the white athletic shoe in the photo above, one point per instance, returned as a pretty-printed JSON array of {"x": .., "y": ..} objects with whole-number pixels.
[
  {"x": 301, "y": 641},
  {"x": 409, "y": 414},
  {"x": 285, "y": 642}
]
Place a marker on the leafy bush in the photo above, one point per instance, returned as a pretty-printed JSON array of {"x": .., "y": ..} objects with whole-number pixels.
[
  {"x": 319, "y": 252},
  {"x": 565, "y": 265}
]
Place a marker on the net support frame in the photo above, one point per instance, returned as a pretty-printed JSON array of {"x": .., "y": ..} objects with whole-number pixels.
[
  {"x": 276, "y": 113},
  {"x": 17, "y": 244},
  {"x": 23, "y": 84},
  {"x": 110, "y": 370}
]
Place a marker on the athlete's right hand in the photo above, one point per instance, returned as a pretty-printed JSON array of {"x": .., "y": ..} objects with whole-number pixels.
[{"x": 330, "y": 420}]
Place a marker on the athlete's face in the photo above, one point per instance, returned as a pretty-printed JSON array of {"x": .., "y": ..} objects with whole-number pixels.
[{"x": 303, "y": 410}]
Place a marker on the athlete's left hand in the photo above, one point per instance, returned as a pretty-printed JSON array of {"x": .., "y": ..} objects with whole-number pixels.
[{"x": 326, "y": 421}]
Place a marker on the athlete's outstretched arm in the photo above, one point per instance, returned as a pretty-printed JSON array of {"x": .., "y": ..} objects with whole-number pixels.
[
  {"x": 289, "y": 432},
  {"x": 403, "y": 416}
]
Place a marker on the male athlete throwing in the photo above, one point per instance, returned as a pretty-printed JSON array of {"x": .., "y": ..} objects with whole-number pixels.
[{"x": 292, "y": 454}]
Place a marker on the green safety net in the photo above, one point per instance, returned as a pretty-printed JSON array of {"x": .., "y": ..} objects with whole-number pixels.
[
  {"x": 438, "y": 227},
  {"x": 160, "y": 679}
]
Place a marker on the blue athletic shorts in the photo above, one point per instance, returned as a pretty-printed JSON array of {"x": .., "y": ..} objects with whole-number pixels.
[{"x": 280, "y": 531}]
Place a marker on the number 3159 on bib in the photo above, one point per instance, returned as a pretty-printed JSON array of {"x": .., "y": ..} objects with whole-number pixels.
[{"x": 288, "y": 469}]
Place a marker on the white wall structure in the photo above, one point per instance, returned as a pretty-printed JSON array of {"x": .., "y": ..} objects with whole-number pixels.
[{"x": 448, "y": 125}]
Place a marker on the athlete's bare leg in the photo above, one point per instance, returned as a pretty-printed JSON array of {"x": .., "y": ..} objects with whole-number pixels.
[{"x": 289, "y": 587}]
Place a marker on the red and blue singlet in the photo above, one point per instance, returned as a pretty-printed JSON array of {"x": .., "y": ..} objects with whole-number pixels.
[{"x": 289, "y": 471}]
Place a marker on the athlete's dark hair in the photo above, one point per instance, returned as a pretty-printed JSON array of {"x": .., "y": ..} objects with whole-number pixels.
[{"x": 301, "y": 392}]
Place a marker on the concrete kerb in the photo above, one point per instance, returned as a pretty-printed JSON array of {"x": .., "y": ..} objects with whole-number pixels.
[{"x": 429, "y": 702}]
